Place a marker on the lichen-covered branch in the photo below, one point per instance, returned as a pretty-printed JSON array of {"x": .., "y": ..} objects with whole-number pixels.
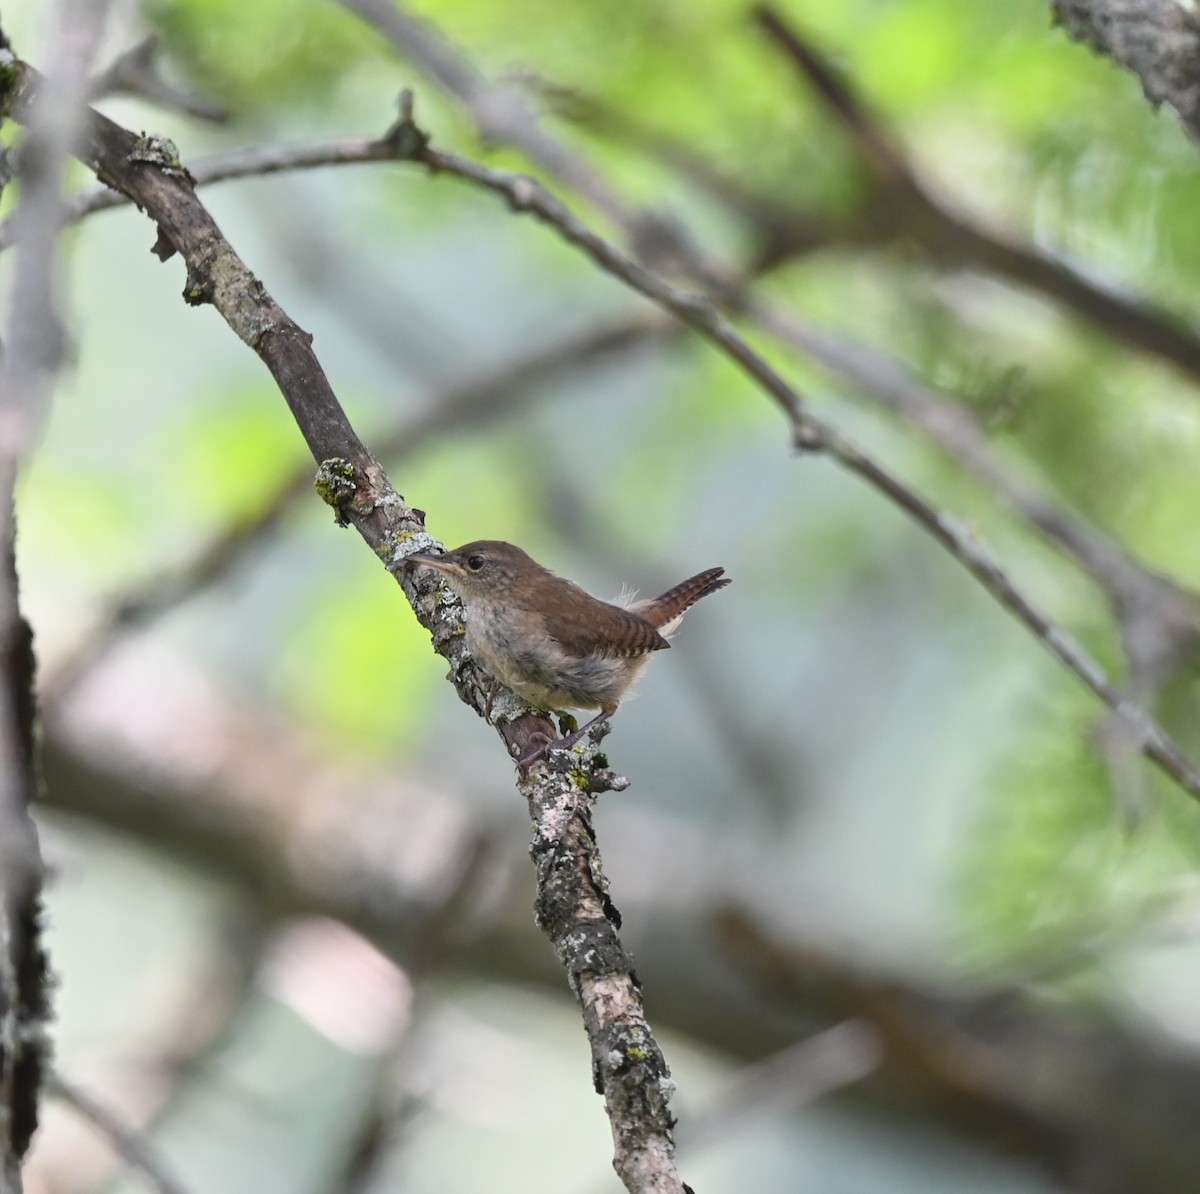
[
  {"x": 211, "y": 560},
  {"x": 575, "y": 912},
  {"x": 573, "y": 906}
]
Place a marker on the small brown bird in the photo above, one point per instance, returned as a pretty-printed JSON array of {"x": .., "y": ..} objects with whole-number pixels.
[{"x": 549, "y": 641}]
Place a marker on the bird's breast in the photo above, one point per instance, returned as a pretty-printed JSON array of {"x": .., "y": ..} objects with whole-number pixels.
[{"x": 513, "y": 645}]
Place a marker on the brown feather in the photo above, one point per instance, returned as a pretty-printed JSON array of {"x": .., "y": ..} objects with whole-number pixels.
[
  {"x": 663, "y": 610},
  {"x": 585, "y": 625}
]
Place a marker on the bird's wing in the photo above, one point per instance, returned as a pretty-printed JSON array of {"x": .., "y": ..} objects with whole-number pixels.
[{"x": 585, "y": 625}]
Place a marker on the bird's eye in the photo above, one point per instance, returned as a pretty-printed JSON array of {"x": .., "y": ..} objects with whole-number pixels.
[{"x": 475, "y": 563}]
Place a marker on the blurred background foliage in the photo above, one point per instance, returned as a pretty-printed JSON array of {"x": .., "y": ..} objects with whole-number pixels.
[{"x": 854, "y": 742}]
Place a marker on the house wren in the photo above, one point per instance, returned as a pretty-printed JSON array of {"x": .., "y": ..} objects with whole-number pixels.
[{"x": 549, "y": 641}]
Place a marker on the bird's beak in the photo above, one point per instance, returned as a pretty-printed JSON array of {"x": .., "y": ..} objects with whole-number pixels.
[{"x": 441, "y": 563}]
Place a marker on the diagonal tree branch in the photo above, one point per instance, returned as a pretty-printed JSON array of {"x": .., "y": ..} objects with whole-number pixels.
[
  {"x": 1127, "y": 582},
  {"x": 810, "y": 434},
  {"x": 407, "y": 142},
  {"x": 1162, "y": 610},
  {"x": 472, "y": 401},
  {"x": 573, "y": 906},
  {"x": 126, "y": 1141}
]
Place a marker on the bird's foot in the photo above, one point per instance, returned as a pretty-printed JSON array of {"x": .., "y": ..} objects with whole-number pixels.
[{"x": 564, "y": 743}]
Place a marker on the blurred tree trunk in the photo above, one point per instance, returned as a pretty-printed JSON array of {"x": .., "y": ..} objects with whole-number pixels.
[{"x": 23, "y": 989}]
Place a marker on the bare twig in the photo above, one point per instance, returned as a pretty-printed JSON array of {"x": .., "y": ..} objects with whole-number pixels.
[
  {"x": 499, "y": 111},
  {"x": 133, "y": 1148},
  {"x": 793, "y": 1077},
  {"x": 524, "y": 194},
  {"x": 136, "y": 72},
  {"x": 244, "y": 163}
]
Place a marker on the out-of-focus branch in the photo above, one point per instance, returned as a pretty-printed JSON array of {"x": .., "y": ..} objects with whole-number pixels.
[
  {"x": 1158, "y": 41},
  {"x": 956, "y": 239},
  {"x": 129, "y": 1144},
  {"x": 993, "y": 1062},
  {"x": 393, "y": 1104},
  {"x": 795, "y": 1076},
  {"x": 786, "y": 231},
  {"x": 501, "y": 115},
  {"x": 34, "y": 351},
  {"x": 949, "y": 1057},
  {"x": 499, "y": 111},
  {"x": 572, "y": 905},
  {"x": 1133, "y": 589},
  {"x": 137, "y": 73}
]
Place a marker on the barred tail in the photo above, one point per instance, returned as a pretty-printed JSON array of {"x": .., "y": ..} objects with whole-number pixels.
[{"x": 663, "y": 613}]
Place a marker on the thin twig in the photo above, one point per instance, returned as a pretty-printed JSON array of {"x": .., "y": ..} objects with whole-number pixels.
[
  {"x": 499, "y": 111},
  {"x": 136, "y": 72},
  {"x": 526, "y": 195},
  {"x": 241, "y": 163},
  {"x": 131, "y": 1146}
]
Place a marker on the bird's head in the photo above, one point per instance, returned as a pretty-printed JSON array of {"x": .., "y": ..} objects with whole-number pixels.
[{"x": 486, "y": 567}]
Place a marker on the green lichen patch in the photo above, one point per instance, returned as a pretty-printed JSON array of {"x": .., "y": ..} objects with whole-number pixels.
[
  {"x": 158, "y": 151},
  {"x": 335, "y": 483},
  {"x": 10, "y": 78}
]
